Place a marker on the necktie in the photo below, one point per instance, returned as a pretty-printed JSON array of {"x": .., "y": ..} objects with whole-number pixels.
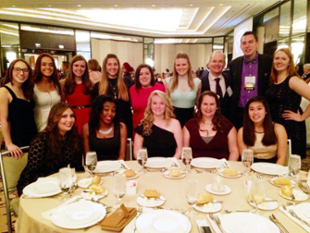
[{"x": 218, "y": 88}]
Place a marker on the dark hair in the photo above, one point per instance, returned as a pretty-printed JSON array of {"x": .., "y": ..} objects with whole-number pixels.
[
  {"x": 218, "y": 118},
  {"x": 70, "y": 81},
  {"x": 93, "y": 65},
  {"x": 66, "y": 63},
  {"x": 137, "y": 74},
  {"x": 27, "y": 86},
  {"x": 249, "y": 138},
  {"x": 53, "y": 136},
  {"x": 249, "y": 33},
  {"x": 97, "y": 109},
  {"x": 37, "y": 75}
]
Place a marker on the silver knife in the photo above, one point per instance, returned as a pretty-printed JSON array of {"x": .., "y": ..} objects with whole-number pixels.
[{"x": 278, "y": 223}]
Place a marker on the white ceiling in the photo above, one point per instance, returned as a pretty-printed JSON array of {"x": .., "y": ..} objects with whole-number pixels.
[{"x": 160, "y": 18}]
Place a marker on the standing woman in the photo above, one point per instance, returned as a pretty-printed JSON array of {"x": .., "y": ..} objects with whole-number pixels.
[
  {"x": 112, "y": 84},
  {"x": 94, "y": 73},
  {"x": 16, "y": 107},
  {"x": 47, "y": 91},
  {"x": 284, "y": 98},
  {"x": 183, "y": 88},
  {"x": 140, "y": 92},
  {"x": 77, "y": 88}
]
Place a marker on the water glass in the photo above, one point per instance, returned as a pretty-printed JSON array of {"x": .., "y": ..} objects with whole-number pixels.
[
  {"x": 247, "y": 160},
  {"x": 142, "y": 158},
  {"x": 91, "y": 160},
  {"x": 187, "y": 157},
  {"x": 65, "y": 179},
  {"x": 191, "y": 193},
  {"x": 294, "y": 165},
  {"x": 257, "y": 193},
  {"x": 119, "y": 187}
]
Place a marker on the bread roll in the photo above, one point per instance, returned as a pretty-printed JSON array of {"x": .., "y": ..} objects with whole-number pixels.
[
  {"x": 96, "y": 179},
  {"x": 129, "y": 173},
  {"x": 98, "y": 189},
  {"x": 282, "y": 181},
  {"x": 151, "y": 193},
  {"x": 230, "y": 172},
  {"x": 204, "y": 198},
  {"x": 287, "y": 190},
  {"x": 175, "y": 173}
]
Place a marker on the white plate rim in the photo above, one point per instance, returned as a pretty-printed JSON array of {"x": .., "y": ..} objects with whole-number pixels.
[
  {"x": 116, "y": 165},
  {"x": 82, "y": 186},
  {"x": 293, "y": 183},
  {"x": 204, "y": 210},
  {"x": 227, "y": 190},
  {"x": 193, "y": 162},
  {"x": 256, "y": 167},
  {"x": 294, "y": 192},
  {"x": 159, "y": 202},
  {"x": 27, "y": 190},
  {"x": 263, "y": 208},
  {"x": 99, "y": 196},
  {"x": 166, "y": 162},
  {"x": 300, "y": 213}
]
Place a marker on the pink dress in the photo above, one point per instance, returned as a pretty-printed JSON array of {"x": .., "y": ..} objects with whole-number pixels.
[
  {"x": 139, "y": 101},
  {"x": 81, "y": 105}
]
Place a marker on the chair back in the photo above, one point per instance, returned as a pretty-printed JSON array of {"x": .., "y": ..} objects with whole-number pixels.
[
  {"x": 129, "y": 150},
  {"x": 288, "y": 152}
]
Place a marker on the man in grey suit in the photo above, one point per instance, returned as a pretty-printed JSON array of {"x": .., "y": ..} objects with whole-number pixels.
[
  {"x": 250, "y": 76},
  {"x": 217, "y": 81}
]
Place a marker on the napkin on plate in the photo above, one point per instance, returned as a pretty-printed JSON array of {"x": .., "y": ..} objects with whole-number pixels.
[
  {"x": 129, "y": 227},
  {"x": 225, "y": 162},
  {"x": 123, "y": 162},
  {"x": 214, "y": 226},
  {"x": 173, "y": 159},
  {"x": 294, "y": 219}
]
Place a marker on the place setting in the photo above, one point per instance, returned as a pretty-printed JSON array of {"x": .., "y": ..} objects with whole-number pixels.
[
  {"x": 218, "y": 187},
  {"x": 207, "y": 164},
  {"x": 151, "y": 198},
  {"x": 102, "y": 167}
]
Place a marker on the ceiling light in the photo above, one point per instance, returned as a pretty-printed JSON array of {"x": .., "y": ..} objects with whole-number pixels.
[
  {"x": 190, "y": 4},
  {"x": 38, "y": 45},
  {"x": 153, "y": 5},
  {"x": 79, "y": 5},
  {"x": 221, "y": 4},
  {"x": 61, "y": 46},
  {"x": 116, "y": 5}
]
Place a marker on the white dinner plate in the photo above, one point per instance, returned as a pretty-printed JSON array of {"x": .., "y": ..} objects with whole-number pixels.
[
  {"x": 132, "y": 177},
  {"x": 85, "y": 183},
  {"x": 163, "y": 221},
  {"x": 208, "y": 208},
  {"x": 303, "y": 211},
  {"x": 227, "y": 190},
  {"x": 220, "y": 172},
  {"x": 43, "y": 188},
  {"x": 158, "y": 162},
  {"x": 299, "y": 195},
  {"x": 166, "y": 175},
  {"x": 150, "y": 202},
  {"x": 270, "y": 169},
  {"x": 205, "y": 162},
  {"x": 90, "y": 195},
  {"x": 247, "y": 222},
  {"x": 266, "y": 205},
  {"x": 293, "y": 184},
  {"x": 78, "y": 215},
  {"x": 106, "y": 166}
]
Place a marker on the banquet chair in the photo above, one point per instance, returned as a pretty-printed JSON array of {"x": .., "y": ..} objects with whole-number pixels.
[
  {"x": 288, "y": 152},
  {"x": 11, "y": 169},
  {"x": 129, "y": 150}
]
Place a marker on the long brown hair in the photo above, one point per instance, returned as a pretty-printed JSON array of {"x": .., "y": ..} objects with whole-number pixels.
[
  {"x": 104, "y": 82},
  {"x": 290, "y": 69},
  {"x": 27, "y": 86},
  {"x": 175, "y": 77},
  {"x": 37, "y": 75},
  {"x": 70, "y": 81}
]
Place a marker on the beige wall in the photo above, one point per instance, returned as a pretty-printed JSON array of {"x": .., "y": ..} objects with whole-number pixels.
[
  {"x": 125, "y": 51},
  {"x": 165, "y": 53}
]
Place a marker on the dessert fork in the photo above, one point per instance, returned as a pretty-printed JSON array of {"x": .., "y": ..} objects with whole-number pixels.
[
  {"x": 217, "y": 221},
  {"x": 139, "y": 212},
  {"x": 296, "y": 216}
]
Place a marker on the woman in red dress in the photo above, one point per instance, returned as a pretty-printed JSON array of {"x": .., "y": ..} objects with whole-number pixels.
[{"x": 77, "y": 87}]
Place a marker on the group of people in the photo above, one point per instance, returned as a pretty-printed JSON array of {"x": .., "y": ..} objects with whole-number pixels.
[{"x": 254, "y": 105}]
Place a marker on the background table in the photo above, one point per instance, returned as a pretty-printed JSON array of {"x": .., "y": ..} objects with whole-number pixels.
[{"x": 30, "y": 218}]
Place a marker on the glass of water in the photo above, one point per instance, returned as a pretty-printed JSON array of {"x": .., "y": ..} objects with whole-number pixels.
[
  {"x": 65, "y": 179},
  {"x": 187, "y": 157},
  {"x": 247, "y": 160},
  {"x": 142, "y": 158},
  {"x": 119, "y": 187},
  {"x": 294, "y": 165},
  {"x": 91, "y": 161}
]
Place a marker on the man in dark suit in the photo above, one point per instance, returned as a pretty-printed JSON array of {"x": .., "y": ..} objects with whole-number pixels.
[
  {"x": 250, "y": 76},
  {"x": 217, "y": 81}
]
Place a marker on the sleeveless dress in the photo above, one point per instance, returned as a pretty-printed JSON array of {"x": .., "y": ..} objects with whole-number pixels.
[
  {"x": 106, "y": 148},
  {"x": 280, "y": 97},
  {"x": 44, "y": 102},
  {"x": 21, "y": 119},
  {"x": 160, "y": 143},
  {"x": 81, "y": 104},
  {"x": 216, "y": 148}
]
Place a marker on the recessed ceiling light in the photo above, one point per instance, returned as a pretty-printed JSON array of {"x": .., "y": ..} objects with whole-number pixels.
[
  {"x": 190, "y": 4},
  {"x": 221, "y": 4},
  {"x": 116, "y": 5},
  {"x": 79, "y": 5},
  {"x": 153, "y": 5}
]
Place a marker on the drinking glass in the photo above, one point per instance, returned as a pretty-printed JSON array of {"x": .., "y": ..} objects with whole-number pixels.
[
  {"x": 247, "y": 160},
  {"x": 257, "y": 193},
  {"x": 294, "y": 165},
  {"x": 187, "y": 157},
  {"x": 119, "y": 187},
  {"x": 65, "y": 180},
  {"x": 191, "y": 193},
  {"x": 142, "y": 158},
  {"x": 91, "y": 161}
]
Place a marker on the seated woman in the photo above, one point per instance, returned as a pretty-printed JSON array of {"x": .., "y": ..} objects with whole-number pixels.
[
  {"x": 210, "y": 134},
  {"x": 104, "y": 133},
  {"x": 57, "y": 146},
  {"x": 159, "y": 131},
  {"x": 268, "y": 140}
]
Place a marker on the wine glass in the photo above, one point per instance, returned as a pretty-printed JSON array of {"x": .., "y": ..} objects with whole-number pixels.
[
  {"x": 142, "y": 158},
  {"x": 119, "y": 187},
  {"x": 294, "y": 165},
  {"x": 191, "y": 193},
  {"x": 187, "y": 157},
  {"x": 91, "y": 161},
  {"x": 257, "y": 193},
  {"x": 65, "y": 179},
  {"x": 247, "y": 160}
]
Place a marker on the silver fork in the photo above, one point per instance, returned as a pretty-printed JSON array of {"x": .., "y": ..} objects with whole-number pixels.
[
  {"x": 139, "y": 212},
  {"x": 217, "y": 221},
  {"x": 296, "y": 216}
]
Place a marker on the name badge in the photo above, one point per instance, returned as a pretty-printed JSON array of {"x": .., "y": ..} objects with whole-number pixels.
[{"x": 249, "y": 83}]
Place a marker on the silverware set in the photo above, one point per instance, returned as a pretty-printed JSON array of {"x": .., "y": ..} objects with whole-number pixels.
[
  {"x": 139, "y": 212},
  {"x": 293, "y": 214},
  {"x": 216, "y": 219},
  {"x": 278, "y": 223}
]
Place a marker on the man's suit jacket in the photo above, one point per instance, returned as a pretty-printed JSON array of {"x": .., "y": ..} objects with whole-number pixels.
[{"x": 225, "y": 101}]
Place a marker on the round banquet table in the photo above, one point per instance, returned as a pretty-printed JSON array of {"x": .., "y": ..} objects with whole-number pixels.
[{"x": 30, "y": 210}]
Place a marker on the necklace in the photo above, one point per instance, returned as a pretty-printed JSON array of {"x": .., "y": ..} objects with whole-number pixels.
[
  {"x": 105, "y": 131},
  {"x": 114, "y": 90}
]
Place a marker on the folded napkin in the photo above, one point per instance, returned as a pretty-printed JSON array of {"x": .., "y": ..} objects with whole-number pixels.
[
  {"x": 174, "y": 160},
  {"x": 293, "y": 218},
  {"x": 226, "y": 164},
  {"x": 214, "y": 226},
  {"x": 123, "y": 162},
  {"x": 129, "y": 227}
]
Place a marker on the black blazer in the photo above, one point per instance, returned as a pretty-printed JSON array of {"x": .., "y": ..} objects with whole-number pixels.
[
  {"x": 235, "y": 71},
  {"x": 225, "y": 101}
]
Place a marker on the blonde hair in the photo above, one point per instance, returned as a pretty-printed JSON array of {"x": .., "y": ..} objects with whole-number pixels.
[
  {"x": 148, "y": 118},
  {"x": 175, "y": 77},
  {"x": 104, "y": 82}
]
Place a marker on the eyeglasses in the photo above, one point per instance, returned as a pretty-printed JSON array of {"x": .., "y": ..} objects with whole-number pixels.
[{"x": 18, "y": 70}]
